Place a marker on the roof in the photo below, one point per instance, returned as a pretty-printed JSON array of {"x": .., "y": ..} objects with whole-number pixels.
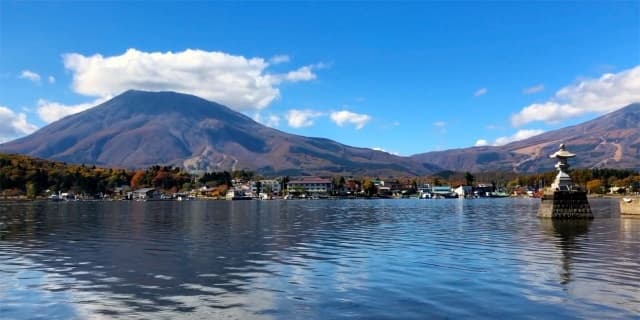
[
  {"x": 144, "y": 190},
  {"x": 562, "y": 153}
]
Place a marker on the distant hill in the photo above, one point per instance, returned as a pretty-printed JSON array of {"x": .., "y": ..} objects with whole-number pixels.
[
  {"x": 138, "y": 129},
  {"x": 612, "y": 140}
]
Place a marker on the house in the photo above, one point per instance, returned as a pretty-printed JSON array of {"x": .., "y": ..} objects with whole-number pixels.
[
  {"x": 146, "y": 194},
  {"x": 442, "y": 192},
  {"x": 464, "y": 191},
  {"x": 352, "y": 186},
  {"x": 484, "y": 190},
  {"x": 310, "y": 185}
]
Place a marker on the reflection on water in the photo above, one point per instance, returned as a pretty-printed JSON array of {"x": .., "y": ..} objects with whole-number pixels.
[
  {"x": 568, "y": 233},
  {"x": 480, "y": 258}
]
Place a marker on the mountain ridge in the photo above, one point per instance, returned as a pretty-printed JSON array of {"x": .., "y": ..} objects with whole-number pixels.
[
  {"x": 139, "y": 128},
  {"x": 610, "y": 140}
]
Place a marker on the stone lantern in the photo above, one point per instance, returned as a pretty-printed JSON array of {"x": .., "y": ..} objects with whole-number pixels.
[
  {"x": 563, "y": 180},
  {"x": 563, "y": 201}
]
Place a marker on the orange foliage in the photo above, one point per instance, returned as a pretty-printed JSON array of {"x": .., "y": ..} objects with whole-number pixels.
[{"x": 135, "y": 180}]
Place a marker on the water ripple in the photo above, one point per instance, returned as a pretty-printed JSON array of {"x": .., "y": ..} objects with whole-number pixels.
[{"x": 408, "y": 259}]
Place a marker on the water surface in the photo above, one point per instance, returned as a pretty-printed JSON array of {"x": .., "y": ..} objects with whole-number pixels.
[{"x": 352, "y": 259}]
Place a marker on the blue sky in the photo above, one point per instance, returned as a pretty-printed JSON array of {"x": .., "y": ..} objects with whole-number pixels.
[{"x": 404, "y": 77}]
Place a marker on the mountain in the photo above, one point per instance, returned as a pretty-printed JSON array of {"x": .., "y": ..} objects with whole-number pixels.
[
  {"x": 612, "y": 140},
  {"x": 138, "y": 129}
]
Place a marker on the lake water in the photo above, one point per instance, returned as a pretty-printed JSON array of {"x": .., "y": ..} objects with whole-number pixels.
[{"x": 352, "y": 259}]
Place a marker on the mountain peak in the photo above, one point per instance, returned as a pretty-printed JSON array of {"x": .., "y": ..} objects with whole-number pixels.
[{"x": 142, "y": 128}]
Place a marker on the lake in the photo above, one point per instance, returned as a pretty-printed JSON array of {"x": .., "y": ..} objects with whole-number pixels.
[{"x": 315, "y": 259}]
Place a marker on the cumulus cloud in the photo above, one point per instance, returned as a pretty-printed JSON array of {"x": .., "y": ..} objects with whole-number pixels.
[
  {"x": 534, "y": 89},
  {"x": 301, "y": 118},
  {"x": 239, "y": 82},
  {"x": 600, "y": 95},
  {"x": 520, "y": 135},
  {"x": 52, "y": 80},
  {"x": 14, "y": 124},
  {"x": 271, "y": 120},
  {"x": 343, "y": 117},
  {"x": 50, "y": 111},
  {"x": 480, "y": 92},
  {"x": 30, "y": 75}
]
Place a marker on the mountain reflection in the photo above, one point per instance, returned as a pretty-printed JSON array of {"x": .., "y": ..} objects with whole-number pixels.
[
  {"x": 408, "y": 259},
  {"x": 151, "y": 257}
]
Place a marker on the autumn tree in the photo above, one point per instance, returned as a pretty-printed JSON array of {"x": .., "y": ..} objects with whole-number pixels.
[
  {"x": 136, "y": 179},
  {"x": 594, "y": 186}
]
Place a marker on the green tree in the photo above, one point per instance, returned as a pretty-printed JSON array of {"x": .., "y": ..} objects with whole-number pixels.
[
  {"x": 369, "y": 187},
  {"x": 469, "y": 178}
]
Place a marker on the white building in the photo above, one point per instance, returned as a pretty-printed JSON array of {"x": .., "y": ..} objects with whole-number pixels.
[
  {"x": 464, "y": 191},
  {"x": 310, "y": 185},
  {"x": 266, "y": 186}
]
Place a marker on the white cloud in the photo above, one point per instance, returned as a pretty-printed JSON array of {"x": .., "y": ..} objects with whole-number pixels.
[
  {"x": 50, "y": 111},
  {"x": 302, "y": 74},
  {"x": 383, "y": 150},
  {"x": 520, "y": 135},
  {"x": 549, "y": 112},
  {"x": 14, "y": 124},
  {"x": 480, "y": 92},
  {"x": 601, "y": 95},
  {"x": 239, "y": 82},
  {"x": 52, "y": 80},
  {"x": 301, "y": 118},
  {"x": 342, "y": 117},
  {"x": 281, "y": 58},
  {"x": 271, "y": 120},
  {"x": 31, "y": 76},
  {"x": 534, "y": 89}
]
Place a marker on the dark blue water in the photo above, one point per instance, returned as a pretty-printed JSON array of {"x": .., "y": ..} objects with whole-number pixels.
[{"x": 378, "y": 259}]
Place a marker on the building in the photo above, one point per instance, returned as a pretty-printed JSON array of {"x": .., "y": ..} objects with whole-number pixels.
[
  {"x": 310, "y": 185},
  {"x": 266, "y": 186},
  {"x": 442, "y": 192},
  {"x": 484, "y": 190},
  {"x": 145, "y": 194},
  {"x": 464, "y": 191}
]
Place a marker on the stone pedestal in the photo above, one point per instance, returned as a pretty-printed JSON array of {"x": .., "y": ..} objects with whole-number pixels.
[{"x": 565, "y": 205}]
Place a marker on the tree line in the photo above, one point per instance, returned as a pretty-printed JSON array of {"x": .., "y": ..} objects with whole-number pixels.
[{"x": 26, "y": 176}]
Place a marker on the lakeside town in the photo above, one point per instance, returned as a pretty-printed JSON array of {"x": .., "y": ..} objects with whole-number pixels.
[{"x": 25, "y": 178}]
